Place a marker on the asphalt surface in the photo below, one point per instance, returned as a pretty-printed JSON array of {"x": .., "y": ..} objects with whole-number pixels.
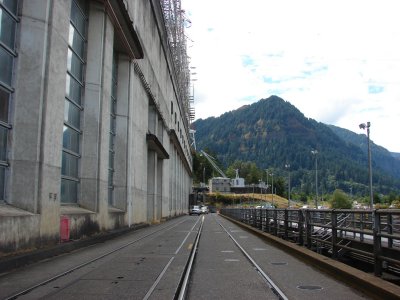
[{"x": 149, "y": 264}]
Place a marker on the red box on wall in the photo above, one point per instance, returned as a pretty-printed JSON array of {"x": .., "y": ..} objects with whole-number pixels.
[{"x": 64, "y": 228}]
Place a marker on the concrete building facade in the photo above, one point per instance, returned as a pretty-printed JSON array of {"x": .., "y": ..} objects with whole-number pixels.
[
  {"x": 94, "y": 120},
  {"x": 219, "y": 185}
]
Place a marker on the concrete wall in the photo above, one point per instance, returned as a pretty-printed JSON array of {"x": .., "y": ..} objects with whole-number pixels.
[{"x": 147, "y": 186}]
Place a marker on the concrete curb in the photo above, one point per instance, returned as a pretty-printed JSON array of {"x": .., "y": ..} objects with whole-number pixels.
[
  {"x": 9, "y": 263},
  {"x": 371, "y": 285}
]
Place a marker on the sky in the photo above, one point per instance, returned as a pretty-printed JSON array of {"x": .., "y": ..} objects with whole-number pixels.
[{"x": 337, "y": 61}]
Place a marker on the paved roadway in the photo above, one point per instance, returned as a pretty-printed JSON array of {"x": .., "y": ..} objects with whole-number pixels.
[{"x": 150, "y": 263}]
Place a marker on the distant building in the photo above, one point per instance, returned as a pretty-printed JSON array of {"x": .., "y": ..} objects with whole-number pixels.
[
  {"x": 94, "y": 117},
  {"x": 237, "y": 182},
  {"x": 220, "y": 185}
]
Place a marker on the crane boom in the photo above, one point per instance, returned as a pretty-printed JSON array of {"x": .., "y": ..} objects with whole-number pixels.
[{"x": 211, "y": 161}]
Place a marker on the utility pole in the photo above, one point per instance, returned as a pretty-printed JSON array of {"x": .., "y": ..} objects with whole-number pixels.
[
  {"x": 371, "y": 196},
  {"x": 272, "y": 190},
  {"x": 287, "y": 166},
  {"x": 315, "y": 152}
]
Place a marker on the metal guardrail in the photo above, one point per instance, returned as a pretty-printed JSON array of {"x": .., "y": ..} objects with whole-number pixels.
[{"x": 372, "y": 236}]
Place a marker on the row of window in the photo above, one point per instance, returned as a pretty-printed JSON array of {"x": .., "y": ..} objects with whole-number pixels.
[
  {"x": 179, "y": 130},
  {"x": 8, "y": 24},
  {"x": 113, "y": 125},
  {"x": 73, "y": 103}
]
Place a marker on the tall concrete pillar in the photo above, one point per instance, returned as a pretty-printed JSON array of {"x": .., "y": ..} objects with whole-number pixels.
[
  {"x": 151, "y": 184},
  {"x": 159, "y": 191},
  {"x": 121, "y": 137},
  {"x": 35, "y": 158},
  {"x": 96, "y": 124}
]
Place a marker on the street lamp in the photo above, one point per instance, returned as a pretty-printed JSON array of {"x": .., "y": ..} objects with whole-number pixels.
[
  {"x": 272, "y": 191},
  {"x": 315, "y": 152},
  {"x": 287, "y": 166},
  {"x": 371, "y": 197}
]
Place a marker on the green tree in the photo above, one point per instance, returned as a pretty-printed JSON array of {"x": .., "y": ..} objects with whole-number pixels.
[
  {"x": 280, "y": 186},
  {"x": 340, "y": 200}
]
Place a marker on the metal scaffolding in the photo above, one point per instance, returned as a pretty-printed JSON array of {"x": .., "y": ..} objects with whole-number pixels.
[{"x": 175, "y": 22}]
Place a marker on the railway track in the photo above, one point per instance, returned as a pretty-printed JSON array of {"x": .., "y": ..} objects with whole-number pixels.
[
  {"x": 98, "y": 258},
  {"x": 187, "y": 258},
  {"x": 271, "y": 284}
]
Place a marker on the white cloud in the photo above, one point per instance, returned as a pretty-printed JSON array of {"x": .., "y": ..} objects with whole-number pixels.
[{"x": 336, "y": 61}]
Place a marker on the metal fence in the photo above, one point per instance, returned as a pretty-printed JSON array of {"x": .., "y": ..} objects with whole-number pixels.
[{"x": 372, "y": 236}]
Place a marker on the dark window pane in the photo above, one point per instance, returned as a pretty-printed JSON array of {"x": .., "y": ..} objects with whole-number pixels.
[
  {"x": 7, "y": 29},
  {"x": 110, "y": 196},
  {"x": 6, "y": 62},
  {"x": 75, "y": 66},
  {"x": 113, "y": 91},
  {"x": 69, "y": 165},
  {"x": 111, "y": 160},
  {"x": 3, "y": 143},
  {"x": 69, "y": 191},
  {"x": 73, "y": 90},
  {"x": 71, "y": 139},
  {"x": 72, "y": 114},
  {"x": 112, "y": 124},
  {"x": 4, "y": 98},
  {"x": 2, "y": 182},
  {"x": 11, "y": 5},
  {"x": 75, "y": 41},
  {"x": 110, "y": 178},
  {"x": 112, "y": 141},
  {"x": 77, "y": 18}
]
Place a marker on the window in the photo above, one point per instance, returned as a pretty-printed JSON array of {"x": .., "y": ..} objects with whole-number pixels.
[
  {"x": 73, "y": 103},
  {"x": 113, "y": 124},
  {"x": 8, "y": 25}
]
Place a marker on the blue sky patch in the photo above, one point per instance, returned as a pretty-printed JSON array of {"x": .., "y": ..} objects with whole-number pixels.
[
  {"x": 314, "y": 70},
  {"x": 247, "y": 61},
  {"x": 270, "y": 80},
  {"x": 375, "y": 89}
]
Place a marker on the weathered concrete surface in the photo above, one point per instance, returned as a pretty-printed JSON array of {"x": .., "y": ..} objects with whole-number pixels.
[{"x": 146, "y": 87}]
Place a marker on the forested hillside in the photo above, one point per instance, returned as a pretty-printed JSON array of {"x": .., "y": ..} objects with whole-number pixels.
[{"x": 272, "y": 133}]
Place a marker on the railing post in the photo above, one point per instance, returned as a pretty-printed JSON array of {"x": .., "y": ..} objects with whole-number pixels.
[
  {"x": 308, "y": 228},
  {"x": 362, "y": 217},
  {"x": 275, "y": 222},
  {"x": 390, "y": 229},
  {"x": 300, "y": 227},
  {"x": 286, "y": 221},
  {"x": 334, "y": 234},
  {"x": 376, "y": 219},
  {"x": 263, "y": 218}
]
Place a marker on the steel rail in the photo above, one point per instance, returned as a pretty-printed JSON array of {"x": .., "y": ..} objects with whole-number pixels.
[
  {"x": 276, "y": 290},
  {"x": 181, "y": 292},
  {"x": 33, "y": 287}
]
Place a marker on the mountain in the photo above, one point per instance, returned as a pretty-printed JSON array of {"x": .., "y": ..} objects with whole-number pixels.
[
  {"x": 396, "y": 155},
  {"x": 380, "y": 156},
  {"x": 273, "y": 132}
]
